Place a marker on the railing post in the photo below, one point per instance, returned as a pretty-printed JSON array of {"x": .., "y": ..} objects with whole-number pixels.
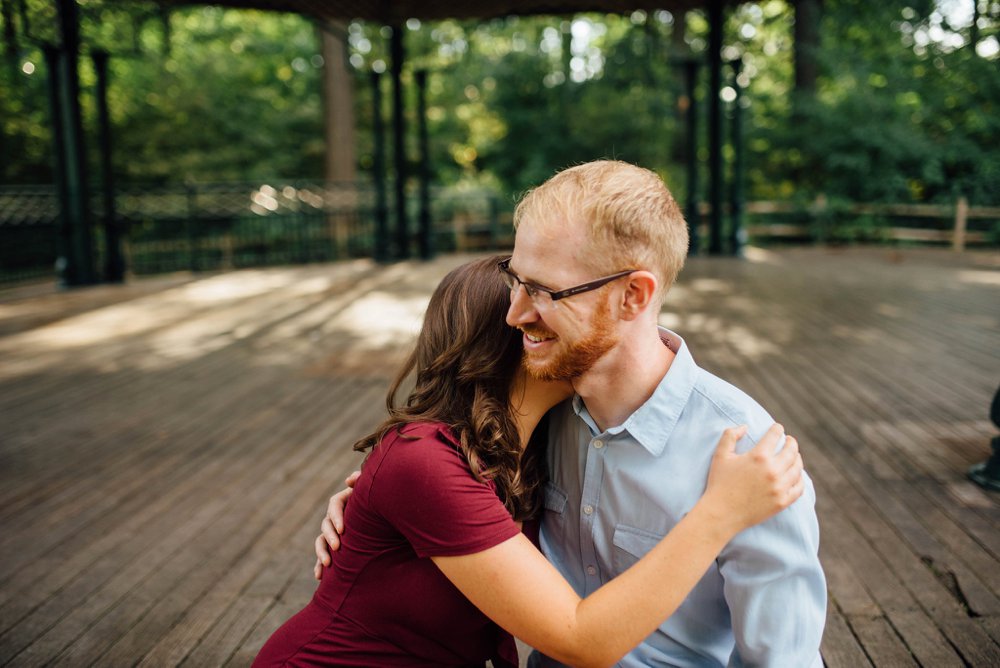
[
  {"x": 426, "y": 238},
  {"x": 189, "y": 225},
  {"x": 961, "y": 218},
  {"x": 737, "y": 234},
  {"x": 820, "y": 223},
  {"x": 494, "y": 221},
  {"x": 114, "y": 264},
  {"x": 378, "y": 173},
  {"x": 398, "y": 52},
  {"x": 715, "y": 27},
  {"x": 691, "y": 211},
  {"x": 79, "y": 260}
]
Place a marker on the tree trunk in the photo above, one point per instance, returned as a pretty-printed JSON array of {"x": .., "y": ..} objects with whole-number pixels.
[
  {"x": 338, "y": 92},
  {"x": 807, "y": 43}
]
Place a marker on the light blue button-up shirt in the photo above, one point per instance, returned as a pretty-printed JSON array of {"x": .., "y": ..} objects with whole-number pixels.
[{"x": 614, "y": 494}]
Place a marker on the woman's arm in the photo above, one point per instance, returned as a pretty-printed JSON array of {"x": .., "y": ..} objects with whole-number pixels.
[{"x": 514, "y": 585}]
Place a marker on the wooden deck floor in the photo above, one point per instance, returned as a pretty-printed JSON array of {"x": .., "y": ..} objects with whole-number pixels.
[{"x": 167, "y": 447}]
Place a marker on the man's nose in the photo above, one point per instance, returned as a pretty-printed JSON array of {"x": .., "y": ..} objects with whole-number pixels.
[{"x": 522, "y": 309}]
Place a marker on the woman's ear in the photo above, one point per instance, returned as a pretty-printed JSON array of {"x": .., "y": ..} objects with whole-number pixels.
[{"x": 640, "y": 286}]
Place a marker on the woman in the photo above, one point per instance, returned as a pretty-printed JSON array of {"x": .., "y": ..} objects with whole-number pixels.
[{"x": 434, "y": 569}]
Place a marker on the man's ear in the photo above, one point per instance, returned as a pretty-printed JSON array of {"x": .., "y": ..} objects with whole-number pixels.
[{"x": 640, "y": 286}]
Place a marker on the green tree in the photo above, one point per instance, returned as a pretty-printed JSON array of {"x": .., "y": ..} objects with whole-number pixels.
[{"x": 905, "y": 104}]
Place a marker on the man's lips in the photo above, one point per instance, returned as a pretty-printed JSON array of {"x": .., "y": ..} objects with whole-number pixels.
[{"x": 537, "y": 336}]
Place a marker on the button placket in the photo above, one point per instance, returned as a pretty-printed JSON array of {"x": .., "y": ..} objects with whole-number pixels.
[{"x": 589, "y": 506}]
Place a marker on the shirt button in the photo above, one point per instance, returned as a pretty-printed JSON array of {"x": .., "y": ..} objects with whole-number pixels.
[
  {"x": 588, "y": 510},
  {"x": 598, "y": 444},
  {"x": 591, "y": 570}
]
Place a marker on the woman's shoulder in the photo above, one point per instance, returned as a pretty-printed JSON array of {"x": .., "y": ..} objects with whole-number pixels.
[
  {"x": 428, "y": 430},
  {"x": 419, "y": 466},
  {"x": 419, "y": 447}
]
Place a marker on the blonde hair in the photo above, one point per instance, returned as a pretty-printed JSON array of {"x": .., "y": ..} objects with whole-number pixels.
[{"x": 632, "y": 219}]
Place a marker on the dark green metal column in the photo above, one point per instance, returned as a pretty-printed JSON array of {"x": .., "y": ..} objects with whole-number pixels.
[
  {"x": 399, "y": 142},
  {"x": 9, "y": 37},
  {"x": 114, "y": 263},
  {"x": 79, "y": 263},
  {"x": 715, "y": 185},
  {"x": 63, "y": 231},
  {"x": 426, "y": 235},
  {"x": 381, "y": 249},
  {"x": 737, "y": 234},
  {"x": 692, "y": 212}
]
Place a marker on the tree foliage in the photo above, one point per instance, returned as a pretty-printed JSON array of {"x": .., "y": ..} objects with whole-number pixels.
[{"x": 905, "y": 109}]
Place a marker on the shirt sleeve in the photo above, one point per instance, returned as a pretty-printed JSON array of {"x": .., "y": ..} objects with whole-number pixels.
[
  {"x": 775, "y": 588},
  {"x": 425, "y": 489}
]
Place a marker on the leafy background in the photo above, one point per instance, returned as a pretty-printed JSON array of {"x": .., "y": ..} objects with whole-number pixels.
[{"x": 906, "y": 107}]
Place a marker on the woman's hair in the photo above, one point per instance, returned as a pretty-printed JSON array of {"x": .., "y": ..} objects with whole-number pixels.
[{"x": 465, "y": 361}]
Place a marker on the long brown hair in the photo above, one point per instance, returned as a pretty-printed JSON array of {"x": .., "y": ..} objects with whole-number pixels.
[{"x": 465, "y": 361}]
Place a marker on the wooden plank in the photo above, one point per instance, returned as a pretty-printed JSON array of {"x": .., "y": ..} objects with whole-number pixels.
[
  {"x": 991, "y": 625},
  {"x": 862, "y": 560},
  {"x": 912, "y": 574},
  {"x": 841, "y": 648},
  {"x": 186, "y": 575},
  {"x": 77, "y": 576},
  {"x": 848, "y": 414},
  {"x": 881, "y": 643},
  {"x": 301, "y": 512},
  {"x": 178, "y": 530},
  {"x": 292, "y": 599},
  {"x": 320, "y": 413}
]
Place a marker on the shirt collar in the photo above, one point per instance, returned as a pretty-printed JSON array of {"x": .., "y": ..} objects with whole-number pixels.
[{"x": 653, "y": 422}]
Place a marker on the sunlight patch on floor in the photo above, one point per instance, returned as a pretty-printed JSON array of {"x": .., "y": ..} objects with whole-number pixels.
[
  {"x": 182, "y": 323},
  {"x": 761, "y": 255},
  {"x": 381, "y": 320},
  {"x": 979, "y": 277}
]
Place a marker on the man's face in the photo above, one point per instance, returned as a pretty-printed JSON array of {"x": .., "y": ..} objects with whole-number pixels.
[{"x": 563, "y": 339}]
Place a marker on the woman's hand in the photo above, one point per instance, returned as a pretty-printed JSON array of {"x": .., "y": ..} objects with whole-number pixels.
[
  {"x": 333, "y": 525},
  {"x": 746, "y": 489}
]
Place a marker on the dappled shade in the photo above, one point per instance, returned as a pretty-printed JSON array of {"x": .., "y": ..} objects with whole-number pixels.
[{"x": 169, "y": 445}]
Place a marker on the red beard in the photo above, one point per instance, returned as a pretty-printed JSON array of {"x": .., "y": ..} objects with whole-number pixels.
[{"x": 574, "y": 359}]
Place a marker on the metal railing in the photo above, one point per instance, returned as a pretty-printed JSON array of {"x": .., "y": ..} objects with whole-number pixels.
[
  {"x": 221, "y": 226},
  {"x": 29, "y": 228},
  {"x": 837, "y": 221}
]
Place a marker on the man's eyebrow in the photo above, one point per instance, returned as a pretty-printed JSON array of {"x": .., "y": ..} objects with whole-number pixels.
[{"x": 528, "y": 280}]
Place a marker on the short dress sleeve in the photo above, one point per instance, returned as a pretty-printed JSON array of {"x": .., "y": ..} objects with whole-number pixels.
[{"x": 425, "y": 489}]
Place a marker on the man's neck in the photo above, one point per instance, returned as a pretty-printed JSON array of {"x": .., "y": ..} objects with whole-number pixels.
[{"x": 625, "y": 379}]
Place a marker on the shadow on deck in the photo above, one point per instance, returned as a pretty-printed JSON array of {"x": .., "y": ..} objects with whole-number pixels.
[{"x": 168, "y": 446}]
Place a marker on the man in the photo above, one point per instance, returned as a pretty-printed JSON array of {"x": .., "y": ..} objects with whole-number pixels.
[{"x": 629, "y": 454}]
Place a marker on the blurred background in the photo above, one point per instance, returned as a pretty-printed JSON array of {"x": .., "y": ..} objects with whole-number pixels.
[{"x": 214, "y": 138}]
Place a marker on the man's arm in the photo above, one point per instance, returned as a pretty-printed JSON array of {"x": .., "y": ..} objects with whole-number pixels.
[{"x": 776, "y": 590}]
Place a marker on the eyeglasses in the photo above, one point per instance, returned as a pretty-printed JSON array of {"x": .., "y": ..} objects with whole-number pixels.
[{"x": 545, "y": 297}]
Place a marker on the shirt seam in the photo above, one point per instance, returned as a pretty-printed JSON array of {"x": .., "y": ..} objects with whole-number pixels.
[{"x": 471, "y": 548}]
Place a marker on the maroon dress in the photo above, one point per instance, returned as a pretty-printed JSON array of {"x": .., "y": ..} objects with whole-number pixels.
[{"x": 383, "y": 602}]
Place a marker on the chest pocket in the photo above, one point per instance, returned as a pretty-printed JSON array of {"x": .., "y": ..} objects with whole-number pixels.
[
  {"x": 555, "y": 499},
  {"x": 631, "y": 545}
]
